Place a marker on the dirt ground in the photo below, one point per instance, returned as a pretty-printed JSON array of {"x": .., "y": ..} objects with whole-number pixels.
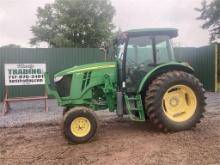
[{"x": 118, "y": 141}]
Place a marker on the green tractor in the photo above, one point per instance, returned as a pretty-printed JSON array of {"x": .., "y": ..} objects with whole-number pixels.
[{"x": 144, "y": 82}]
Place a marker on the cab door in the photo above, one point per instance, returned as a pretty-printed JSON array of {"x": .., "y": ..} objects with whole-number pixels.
[{"x": 139, "y": 61}]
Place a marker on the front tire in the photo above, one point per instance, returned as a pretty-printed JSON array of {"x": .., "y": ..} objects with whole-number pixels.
[
  {"x": 65, "y": 110},
  {"x": 175, "y": 101},
  {"x": 79, "y": 124}
]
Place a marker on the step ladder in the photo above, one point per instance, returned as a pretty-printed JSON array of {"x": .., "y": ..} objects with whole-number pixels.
[{"x": 135, "y": 107}]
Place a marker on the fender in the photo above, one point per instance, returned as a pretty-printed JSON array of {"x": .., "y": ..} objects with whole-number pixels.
[{"x": 160, "y": 69}]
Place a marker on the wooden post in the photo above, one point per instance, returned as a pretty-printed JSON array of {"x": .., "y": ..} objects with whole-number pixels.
[
  {"x": 5, "y": 103},
  {"x": 46, "y": 101},
  {"x": 7, "y": 100}
]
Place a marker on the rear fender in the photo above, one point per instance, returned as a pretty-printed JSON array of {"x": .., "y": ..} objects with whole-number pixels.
[{"x": 160, "y": 69}]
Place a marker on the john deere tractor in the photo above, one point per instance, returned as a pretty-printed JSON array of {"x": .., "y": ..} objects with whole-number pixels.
[{"x": 144, "y": 82}]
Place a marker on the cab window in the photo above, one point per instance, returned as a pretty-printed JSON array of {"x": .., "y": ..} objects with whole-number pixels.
[{"x": 163, "y": 49}]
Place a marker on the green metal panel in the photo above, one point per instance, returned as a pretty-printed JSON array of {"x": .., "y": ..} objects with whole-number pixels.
[
  {"x": 163, "y": 67},
  {"x": 202, "y": 59},
  {"x": 86, "y": 79},
  {"x": 56, "y": 59}
]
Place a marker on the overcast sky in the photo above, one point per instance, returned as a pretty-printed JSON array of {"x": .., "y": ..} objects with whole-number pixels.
[{"x": 17, "y": 17}]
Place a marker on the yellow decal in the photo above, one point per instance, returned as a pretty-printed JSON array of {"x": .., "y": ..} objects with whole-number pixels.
[{"x": 92, "y": 68}]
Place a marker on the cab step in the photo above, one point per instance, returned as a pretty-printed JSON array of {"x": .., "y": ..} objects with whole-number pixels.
[{"x": 135, "y": 107}]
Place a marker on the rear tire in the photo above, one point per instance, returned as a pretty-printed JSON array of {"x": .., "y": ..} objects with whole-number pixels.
[
  {"x": 175, "y": 101},
  {"x": 79, "y": 124}
]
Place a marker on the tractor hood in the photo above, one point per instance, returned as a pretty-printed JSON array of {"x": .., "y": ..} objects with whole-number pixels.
[{"x": 87, "y": 67}]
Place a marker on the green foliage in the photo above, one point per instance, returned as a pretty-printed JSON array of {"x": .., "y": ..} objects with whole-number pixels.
[
  {"x": 10, "y": 46},
  {"x": 74, "y": 23},
  {"x": 210, "y": 13}
]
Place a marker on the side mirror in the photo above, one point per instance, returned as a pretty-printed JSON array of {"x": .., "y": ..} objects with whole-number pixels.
[
  {"x": 122, "y": 38},
  {"x": 104, "y": 49}
]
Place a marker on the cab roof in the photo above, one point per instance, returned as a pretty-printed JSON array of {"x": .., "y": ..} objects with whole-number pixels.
[{"x": 172, "y": 32}]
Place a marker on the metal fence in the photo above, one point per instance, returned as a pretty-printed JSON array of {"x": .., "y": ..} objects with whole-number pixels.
[
  {"x": 203, "y": 60},
  {"x": 56, "y": 59}
]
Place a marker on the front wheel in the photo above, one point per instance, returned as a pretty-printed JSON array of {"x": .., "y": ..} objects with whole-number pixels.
[
  {"x": 79, "y": 124},
  {"x": 175, "y": 101}
]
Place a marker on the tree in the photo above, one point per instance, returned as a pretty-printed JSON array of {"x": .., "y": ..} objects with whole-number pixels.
[
  {"x": 10, "y": 46},
  {"x": 210, "y": 13},
  {"x": 74, "y": 23}
]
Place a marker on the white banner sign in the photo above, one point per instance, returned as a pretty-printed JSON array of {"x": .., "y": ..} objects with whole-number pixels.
[{"x": 24, "y": 74}]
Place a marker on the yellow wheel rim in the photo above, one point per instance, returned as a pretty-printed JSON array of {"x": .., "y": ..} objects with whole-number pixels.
[
  {"x": 80, "y": 126},
  {"x": 179, "y": 103}
]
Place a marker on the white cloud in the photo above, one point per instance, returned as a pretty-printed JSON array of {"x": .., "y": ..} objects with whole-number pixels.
[
  {"x": 17, "y": 17},
  {"x": 163, "y": 13},
  {"x": 2, "y": 15}
]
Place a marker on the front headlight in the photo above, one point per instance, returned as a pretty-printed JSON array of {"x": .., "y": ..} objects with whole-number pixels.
[{"x": 58, "y": 78}]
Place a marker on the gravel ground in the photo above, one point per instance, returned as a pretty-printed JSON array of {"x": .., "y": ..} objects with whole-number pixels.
[
  {"x": 36, "y": 139},
  {"x": 23, "y": 113},
  {"x": 32, "y": 112}
]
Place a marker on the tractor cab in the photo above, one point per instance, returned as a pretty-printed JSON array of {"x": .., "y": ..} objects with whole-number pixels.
[{"x": 139, "y": 51}]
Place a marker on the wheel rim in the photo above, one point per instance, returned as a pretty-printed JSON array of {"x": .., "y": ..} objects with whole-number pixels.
[
  {"x": 179, "y": 103},
  {"x": 80, "y": 126}
]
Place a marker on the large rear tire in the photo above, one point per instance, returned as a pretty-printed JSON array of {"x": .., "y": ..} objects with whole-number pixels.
[
  {"x": 79, "y": 124},
  {"x": 175, "y": 101}
]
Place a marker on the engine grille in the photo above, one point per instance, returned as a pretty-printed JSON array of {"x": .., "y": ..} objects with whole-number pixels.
[
  {"x": 63, "y": 86},
  {"x": 86, "y": 80}
]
